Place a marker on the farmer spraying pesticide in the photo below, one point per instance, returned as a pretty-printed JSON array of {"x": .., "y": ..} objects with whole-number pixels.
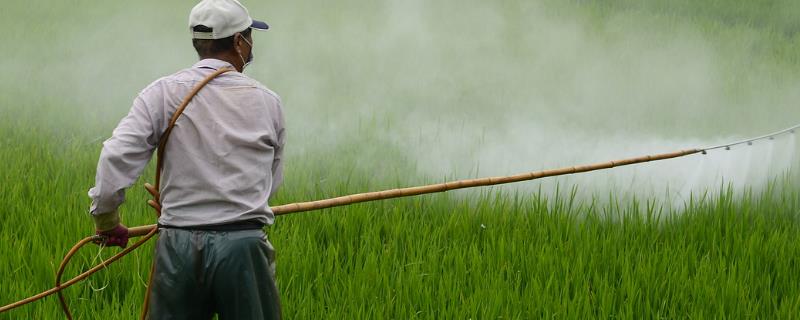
[
  {"x": 221, "y": 165},
  {"x": 218, "y": 136}
]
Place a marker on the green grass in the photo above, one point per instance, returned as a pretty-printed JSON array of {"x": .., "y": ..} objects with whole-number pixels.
[
  {"x": 367, "y": 81},
  {"x": 501, "y": 254}
]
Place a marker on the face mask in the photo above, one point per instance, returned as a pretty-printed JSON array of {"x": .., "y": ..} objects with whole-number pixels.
[{"x": 249, "y": 58}]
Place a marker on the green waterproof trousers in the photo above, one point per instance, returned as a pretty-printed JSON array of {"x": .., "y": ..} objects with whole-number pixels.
[{"x": 201, "y": 273}]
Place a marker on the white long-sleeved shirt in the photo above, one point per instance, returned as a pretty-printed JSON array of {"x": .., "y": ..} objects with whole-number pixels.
[{"x": 223, "y": 159}]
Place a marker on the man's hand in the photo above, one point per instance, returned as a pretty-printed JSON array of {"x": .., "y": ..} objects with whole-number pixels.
[
  {"x": 116, "y": 237},
  {"x": 110, "y": 231}
]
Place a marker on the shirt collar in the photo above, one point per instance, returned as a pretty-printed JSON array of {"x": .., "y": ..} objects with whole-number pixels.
[{"x": 212, "y": 63}]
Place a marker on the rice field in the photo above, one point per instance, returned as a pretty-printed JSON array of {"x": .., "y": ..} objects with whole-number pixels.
[{"x": 383, "y": 95}]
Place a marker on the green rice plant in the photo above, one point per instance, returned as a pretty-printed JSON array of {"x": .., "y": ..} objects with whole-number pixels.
[{"x": 497, "y": 252}]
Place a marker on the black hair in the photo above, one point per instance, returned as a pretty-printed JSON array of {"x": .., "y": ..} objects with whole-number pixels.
[{"x": 209, "y": 47}]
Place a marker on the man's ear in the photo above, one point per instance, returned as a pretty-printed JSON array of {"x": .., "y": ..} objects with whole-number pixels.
[{"x": 236, "y": 39}]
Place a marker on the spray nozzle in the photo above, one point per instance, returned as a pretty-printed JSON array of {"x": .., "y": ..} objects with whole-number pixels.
[
  {"x": 727, "y": 147},
  {"x": 749, "y": 143},
  {"x": 703, "y": 152}
]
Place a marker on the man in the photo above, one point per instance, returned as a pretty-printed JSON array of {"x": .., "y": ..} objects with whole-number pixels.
[{"x": 222, "y": 163}]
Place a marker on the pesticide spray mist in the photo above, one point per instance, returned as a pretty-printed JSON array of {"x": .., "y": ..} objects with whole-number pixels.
[
  {"x": 402, "y": 93},
  {"x": 491, "y": 90}
]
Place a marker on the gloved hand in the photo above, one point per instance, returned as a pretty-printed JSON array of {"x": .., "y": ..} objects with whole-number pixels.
[
  {"x": 110, "y": 230},
  {"x": 117, "y": 237}
]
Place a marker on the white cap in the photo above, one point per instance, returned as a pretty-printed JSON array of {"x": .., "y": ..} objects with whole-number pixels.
[{"x": 224, "y": 17}]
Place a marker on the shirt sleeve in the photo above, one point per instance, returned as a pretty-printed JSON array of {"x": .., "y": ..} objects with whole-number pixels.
[
  {"x": 123, "y": 158},
  {"x": 277, "y": 162}
]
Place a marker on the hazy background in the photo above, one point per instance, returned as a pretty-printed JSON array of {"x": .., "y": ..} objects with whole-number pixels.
[{"x": 391, "y": 93}]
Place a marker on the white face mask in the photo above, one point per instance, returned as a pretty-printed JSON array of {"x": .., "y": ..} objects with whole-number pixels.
[{"x": 249, "y": 58}]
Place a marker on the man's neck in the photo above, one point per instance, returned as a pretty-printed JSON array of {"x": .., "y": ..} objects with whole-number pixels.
[{"x": 227, "y": 58}]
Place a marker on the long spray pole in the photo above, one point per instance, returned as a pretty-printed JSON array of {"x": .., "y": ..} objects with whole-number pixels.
[
  {"x": 150, "y": 230},
  {"x": 446, "y": 186}
]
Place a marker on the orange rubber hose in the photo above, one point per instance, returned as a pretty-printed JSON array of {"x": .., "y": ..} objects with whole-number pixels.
[{"x": 83, "y": 275}]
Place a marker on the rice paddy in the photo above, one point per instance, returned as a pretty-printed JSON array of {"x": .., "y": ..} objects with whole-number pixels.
[{"x": 382, "y": 95}]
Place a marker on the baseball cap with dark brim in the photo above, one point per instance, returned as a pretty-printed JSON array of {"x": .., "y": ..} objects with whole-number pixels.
[{"x": 223, "y": 18}]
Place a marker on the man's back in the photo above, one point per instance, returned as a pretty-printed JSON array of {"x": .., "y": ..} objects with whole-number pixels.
[{"x": 222, "y": 161}]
